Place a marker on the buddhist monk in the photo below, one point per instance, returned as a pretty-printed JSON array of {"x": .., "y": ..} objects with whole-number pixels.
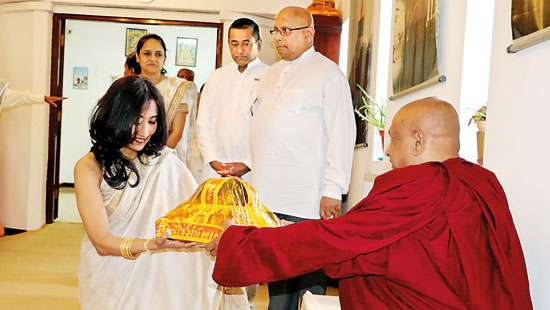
[{"x": 434, "y": 233}]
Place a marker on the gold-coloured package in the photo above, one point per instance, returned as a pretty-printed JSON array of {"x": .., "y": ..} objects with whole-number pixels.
[{"x": 201, "y": 217}]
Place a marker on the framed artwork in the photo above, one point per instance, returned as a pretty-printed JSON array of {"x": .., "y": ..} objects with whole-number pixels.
[
  {"x": 361, "y": 27},
  {"x": 530, "y": 23},
  {"x": 80, "y": 78},
  {"x": 414, "y": 55},
  {"x": 132, "y": 37},
  {"x": 186, "y": 52}
]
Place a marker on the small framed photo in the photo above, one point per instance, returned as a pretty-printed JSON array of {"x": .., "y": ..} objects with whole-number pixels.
[
  {"x": 132, "y": 37},
  {"x": 80, "y": 78},
  {"x": 186, "y": 52}
]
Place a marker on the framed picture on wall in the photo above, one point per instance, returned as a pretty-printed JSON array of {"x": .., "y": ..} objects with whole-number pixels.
[
  {"x": 132, "y": 37},
  {"x": 186, "y": 52},
  {"x": 414, "y": 54},
  {"x": 530, "y": 23},
  {"x": 80, "y": 77}
]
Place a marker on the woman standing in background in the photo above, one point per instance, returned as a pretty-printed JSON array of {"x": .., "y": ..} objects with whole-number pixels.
[{"x": 179, "y": 95}]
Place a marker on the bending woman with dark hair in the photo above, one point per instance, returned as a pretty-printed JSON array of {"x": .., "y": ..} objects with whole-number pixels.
[{"x": 127, "y": 181}]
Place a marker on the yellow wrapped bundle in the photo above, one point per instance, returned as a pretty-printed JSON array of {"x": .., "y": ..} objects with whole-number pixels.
[{"x": 201, "y": 217}]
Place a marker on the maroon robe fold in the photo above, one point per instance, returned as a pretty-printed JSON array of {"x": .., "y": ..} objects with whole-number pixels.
[{"x": 430, "y": 236}]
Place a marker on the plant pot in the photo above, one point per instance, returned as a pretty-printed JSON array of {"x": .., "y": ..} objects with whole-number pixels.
[
  {"x": 480, "y": 135},
  {"x": 480, "y": 125}
]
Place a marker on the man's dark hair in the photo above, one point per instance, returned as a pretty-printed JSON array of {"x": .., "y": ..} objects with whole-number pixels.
[
  {"x": 246, "y": 23},
  {"x": 132, "y": 63},
  {"x": 112, "y": 123}
]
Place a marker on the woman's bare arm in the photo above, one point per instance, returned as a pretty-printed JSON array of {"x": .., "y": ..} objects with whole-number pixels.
[{"x": 88, "y": 176}]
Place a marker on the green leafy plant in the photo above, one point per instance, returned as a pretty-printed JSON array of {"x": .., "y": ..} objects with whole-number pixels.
[
  {"x": 479, "y": 115},
  {"x": 371, "y": 110}
]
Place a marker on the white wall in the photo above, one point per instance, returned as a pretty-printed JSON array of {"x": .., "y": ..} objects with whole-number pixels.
[
  {"x": 517, "y": 144},
  {"x": 23, "y": 143},
  {"x": 476, "y": 68}
]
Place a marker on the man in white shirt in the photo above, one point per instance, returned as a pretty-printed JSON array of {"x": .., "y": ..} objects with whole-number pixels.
[
  {"x": 302, "y": 138},
  {"x": 224, "y": 111},
  {"x": 223, "y": 119}
]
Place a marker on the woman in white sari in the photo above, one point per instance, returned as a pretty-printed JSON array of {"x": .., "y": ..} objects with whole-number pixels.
[
  {"x": 127, "y": 181},
  {"x": 179, "y": 95}
]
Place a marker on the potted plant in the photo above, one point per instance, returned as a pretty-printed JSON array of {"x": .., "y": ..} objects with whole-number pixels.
[
  {"x": 479, "y": 118},
  {"x": 372, "y": 112}
]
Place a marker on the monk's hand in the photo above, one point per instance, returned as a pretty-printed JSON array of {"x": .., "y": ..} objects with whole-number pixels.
[
  {"x": 212, "y": 246},
  {"x": 53, "y": 100},
  {"x": 222, "y": 169},
  {"x": 162, "y": 242},
  {"x": 330, "y": 207},
  {"x": 238, "y": 169}
]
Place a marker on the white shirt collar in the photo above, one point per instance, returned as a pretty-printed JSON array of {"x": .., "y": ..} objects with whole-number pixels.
[
  {"x": 305, "y": 55},
  {"x": 249, "y": 67}
]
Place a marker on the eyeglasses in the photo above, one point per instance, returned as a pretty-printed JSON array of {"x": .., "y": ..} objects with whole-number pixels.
[{"x": 284, "y": 31}]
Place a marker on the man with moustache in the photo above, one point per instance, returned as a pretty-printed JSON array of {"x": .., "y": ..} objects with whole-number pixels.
[
  {"x": 224, "y": 115},
  {"x": 223, "y": 118},
  {"x": 302, "y": 138}
]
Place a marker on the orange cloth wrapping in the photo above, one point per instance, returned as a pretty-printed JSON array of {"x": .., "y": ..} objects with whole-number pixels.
[{"x": 201, "y": 217}]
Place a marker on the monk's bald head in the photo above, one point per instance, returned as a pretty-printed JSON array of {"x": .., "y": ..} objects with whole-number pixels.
[
  {"x": 422, "y": 131},
  {"x": 294, "y": 32}
]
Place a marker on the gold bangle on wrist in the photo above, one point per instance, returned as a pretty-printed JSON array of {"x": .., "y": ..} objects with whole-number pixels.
[{"x": 126, "y": 248}]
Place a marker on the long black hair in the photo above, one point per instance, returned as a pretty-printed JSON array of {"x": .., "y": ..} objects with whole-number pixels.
[{"x": 113, "y": 118}]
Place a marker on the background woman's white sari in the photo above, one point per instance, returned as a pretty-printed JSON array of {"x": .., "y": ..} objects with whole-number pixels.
[
  {"x": 168, "y": 280},
  {"x": 179, "y": 96}
]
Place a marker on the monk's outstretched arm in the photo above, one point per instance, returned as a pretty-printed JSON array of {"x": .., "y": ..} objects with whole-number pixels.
[
  {"x": 248, "y": 255},
  {"x": 401, "y": 202}
]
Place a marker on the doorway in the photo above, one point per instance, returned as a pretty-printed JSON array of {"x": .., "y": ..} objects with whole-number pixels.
[{"x": 88, "y": 53}]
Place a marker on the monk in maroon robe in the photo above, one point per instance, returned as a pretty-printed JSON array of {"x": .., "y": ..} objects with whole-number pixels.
[{"x": 433, "y": 233}]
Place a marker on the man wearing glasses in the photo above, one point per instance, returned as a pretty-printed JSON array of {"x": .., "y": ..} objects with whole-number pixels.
[
  {"x": 302, "y": 138},
  {"x": 224, "y": 115}
]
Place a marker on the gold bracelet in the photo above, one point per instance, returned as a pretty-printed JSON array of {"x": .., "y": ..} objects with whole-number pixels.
[{"x": 126, "y": 248}]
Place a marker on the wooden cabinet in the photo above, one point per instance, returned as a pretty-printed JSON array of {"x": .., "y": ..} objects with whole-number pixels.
[{"x": 328, "y": 27}]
